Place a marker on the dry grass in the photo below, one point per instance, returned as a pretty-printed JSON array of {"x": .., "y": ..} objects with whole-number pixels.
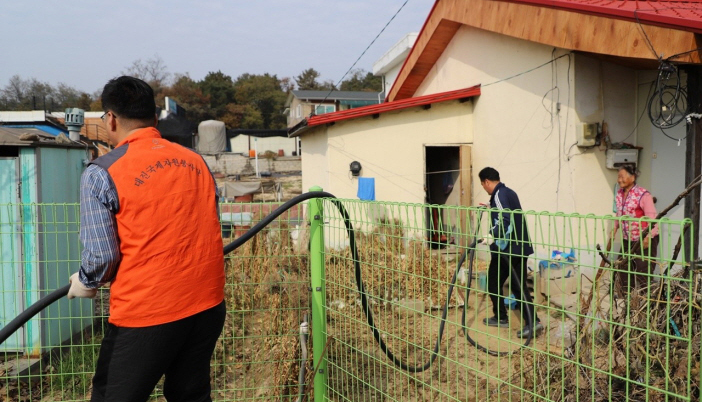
[
  {"x": 638, "y": 348},
  {"x": 267, "y": 295}
]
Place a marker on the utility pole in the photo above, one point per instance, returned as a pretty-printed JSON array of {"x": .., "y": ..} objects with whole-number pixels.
[{"x": 693, "y": 153}]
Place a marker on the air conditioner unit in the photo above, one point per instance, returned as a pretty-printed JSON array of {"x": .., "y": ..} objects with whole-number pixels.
[
  {"x": 618, "y": 157},
  {"x": 586, "y": 134}
]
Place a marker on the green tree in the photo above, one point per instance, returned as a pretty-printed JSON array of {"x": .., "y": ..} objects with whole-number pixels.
[
  {"x": 242, "y": 116},
  {"x": 307, "y": 80},
  {"x": 219, "y": 87},
  {"x": 362, "y": 80},
  {"x": 265, "y": 94},
  {"x": 84, "y": 101},
  {"x": 189, "y": 95}
]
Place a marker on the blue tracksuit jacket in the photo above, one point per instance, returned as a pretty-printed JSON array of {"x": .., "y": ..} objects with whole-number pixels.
[{"x": 508, "y": 226}]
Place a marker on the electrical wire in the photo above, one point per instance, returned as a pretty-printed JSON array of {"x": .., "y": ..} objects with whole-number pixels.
[
  {"x": 648, "y": 40},
  {"x": 650, "y": 88},
  {"x": 524, "y": 72},
  {"x": 364, "y": 52},
  {"x": 671, "y": 137},
  {"x": 675, "y": 56}
]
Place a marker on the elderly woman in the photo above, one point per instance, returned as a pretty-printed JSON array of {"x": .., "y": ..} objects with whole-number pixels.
[{"x": 635, "y": 201}]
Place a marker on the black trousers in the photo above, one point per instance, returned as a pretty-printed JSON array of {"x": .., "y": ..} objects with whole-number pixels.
[
  {"x": 132, "y": 360},
  {"x": 641, "y": 262},
  {"x": 499, "y": 270}
]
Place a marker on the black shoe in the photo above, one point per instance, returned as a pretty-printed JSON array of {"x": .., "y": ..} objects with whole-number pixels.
[
  {"x": 526, "y": 331},
  {"x": 494, "y": 322}
]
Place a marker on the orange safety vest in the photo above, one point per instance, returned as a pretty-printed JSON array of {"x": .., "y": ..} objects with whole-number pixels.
[{"x": 172, "y": 265}]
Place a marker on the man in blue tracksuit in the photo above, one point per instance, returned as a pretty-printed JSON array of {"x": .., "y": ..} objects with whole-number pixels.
[{"x": 510, "y": 245}]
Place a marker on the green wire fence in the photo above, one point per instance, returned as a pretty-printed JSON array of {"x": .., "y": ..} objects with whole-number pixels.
[{"x": 610, "y": 332}]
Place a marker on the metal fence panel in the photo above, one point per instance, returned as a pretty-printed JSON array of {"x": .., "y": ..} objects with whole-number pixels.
[
  {"x": 641, "y": 343},
  {"x": 257, "y": 357},
  {"x": 636, "y": 342}
]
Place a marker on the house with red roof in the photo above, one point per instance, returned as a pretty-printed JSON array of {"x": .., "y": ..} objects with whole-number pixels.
[{"x": 554, "y": 94}]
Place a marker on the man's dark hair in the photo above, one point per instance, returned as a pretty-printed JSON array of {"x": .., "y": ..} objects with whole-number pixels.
[
  {"x": 130, "y": 98},
  {"x": 489, "y": 173}
]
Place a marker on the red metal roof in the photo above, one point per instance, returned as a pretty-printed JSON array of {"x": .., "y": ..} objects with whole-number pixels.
[
  {"x": 686, "y": 15},
  {"x": 389, "y": 107}
]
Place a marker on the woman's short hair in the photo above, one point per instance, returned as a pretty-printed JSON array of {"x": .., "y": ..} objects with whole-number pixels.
[{"x": 630, "y": 168}]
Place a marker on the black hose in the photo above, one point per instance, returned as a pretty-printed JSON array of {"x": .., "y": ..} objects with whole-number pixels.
[
  {"x": 30, "y": 312},
  {"x": 369, "y": 314},
  {"x": 470, "y": 340},
  {"x": 45, "y": 301},
  {"x": 268, "y": 219}
]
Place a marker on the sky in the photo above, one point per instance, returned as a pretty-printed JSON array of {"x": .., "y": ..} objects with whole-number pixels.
[{"x": 85, "y": 43}]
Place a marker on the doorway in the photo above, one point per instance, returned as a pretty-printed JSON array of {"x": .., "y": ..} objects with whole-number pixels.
[{"x": 447, "y": 182}]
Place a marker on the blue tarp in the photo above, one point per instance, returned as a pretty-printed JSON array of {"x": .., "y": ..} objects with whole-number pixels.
[{"x": 366, "y": 188}]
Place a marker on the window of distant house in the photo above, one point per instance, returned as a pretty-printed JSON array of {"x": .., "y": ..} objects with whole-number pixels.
[
  {"x": 321, "y": 109},
  {"x": 298, "y": 111}
]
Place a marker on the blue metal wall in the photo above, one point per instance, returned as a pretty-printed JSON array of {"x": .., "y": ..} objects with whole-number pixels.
[{"x": 41, "y": 248}]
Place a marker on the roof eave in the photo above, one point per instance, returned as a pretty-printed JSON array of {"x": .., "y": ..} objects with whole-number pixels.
[{"x": 298, "y": 129}]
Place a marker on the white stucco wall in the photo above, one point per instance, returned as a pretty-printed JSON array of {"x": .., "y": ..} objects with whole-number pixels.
[
  {"x": 315, "y": 165},
  {"x": 390, "y": 149},
  {"x": 519, "y": 129},
  {"x": 524, "y": 124},
  {"x": 241, "y": 144}
]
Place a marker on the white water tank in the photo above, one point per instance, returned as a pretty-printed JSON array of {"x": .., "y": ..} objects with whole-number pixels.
[{"x": 212, "y": 137}]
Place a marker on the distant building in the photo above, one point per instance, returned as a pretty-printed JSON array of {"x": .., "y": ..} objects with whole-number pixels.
[
  {"x": 389, "y": 65},
  {"x": 38, "y": 119},
  {"x": 302, "y": 103}
]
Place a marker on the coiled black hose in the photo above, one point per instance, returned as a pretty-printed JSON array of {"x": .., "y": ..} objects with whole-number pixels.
[{"x": 45, "y": 301}]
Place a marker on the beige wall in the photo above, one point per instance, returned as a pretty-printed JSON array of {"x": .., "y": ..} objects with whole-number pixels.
[
  {"x": 315, "y": 164},
  {"x": 515, "y": 125},
  {"x": 293, "y": 116},
  {"x": 518, "y": 128},
  {"x": 242, "y": 143},
  {"x": 390, "y": 149},
  {"x": 305, "y": 110}
]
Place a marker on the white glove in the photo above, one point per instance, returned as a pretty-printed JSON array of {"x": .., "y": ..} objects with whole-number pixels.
[
  {"x": 487, "y": 240},
  {"x": 78, "y": 289}
]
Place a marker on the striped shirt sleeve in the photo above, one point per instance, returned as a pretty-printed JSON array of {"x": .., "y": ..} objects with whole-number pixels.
[
  {"x": 98, "y": 228},
  {"x": 502, "y": 223}
]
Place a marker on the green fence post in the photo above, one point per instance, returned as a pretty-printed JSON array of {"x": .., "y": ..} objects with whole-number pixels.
[{"x": 319, "y": 313}]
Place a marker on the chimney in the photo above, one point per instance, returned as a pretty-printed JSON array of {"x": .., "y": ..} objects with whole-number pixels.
[{"x": 74, "y": 122}]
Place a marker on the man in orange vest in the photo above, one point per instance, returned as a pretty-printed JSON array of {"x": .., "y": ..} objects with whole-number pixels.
[{"x": 150, "y": 227}]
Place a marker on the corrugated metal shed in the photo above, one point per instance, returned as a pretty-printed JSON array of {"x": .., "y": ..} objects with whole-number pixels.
[
  {"x": 39, "y": 245},
  {"x": 32, "y": 137},
  {"x": 39, "y": 119}
]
